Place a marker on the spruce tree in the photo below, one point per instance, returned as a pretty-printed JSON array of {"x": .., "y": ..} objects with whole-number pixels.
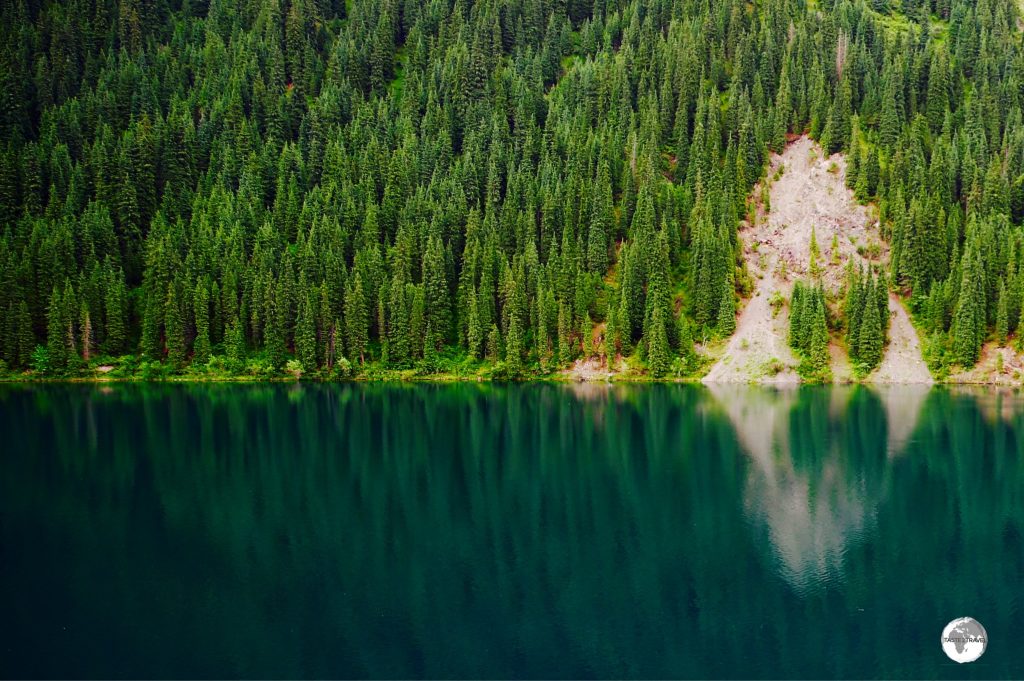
[
  {"x": 398, "y": 327},
  {"x": 115, "y": 316},
  {"x": 818, "y": 353},
  {"x": 438, "y": 307},
  {"x": 797, "y": 305},
  {"x": 56, "y": 333},
  {"x": 514, "y": 347},
  {"x": 201, "y": 310},
  {"x": 235, "y": 342},
  {"x": 174, "y": 322},
  {"x": 658, "y": 351},
  {"x": 727, "y": 312},
  {"x": 869, "y": 342},
  {"x": 475, "y": 335},
  {"x": 87, "y": 333},
  {"x": 305, "y": 335},
  {"x": 26, "y": 336},
  {"x": 356, "y": 320},
  {"x": 564, "y": 351},
  {"x": 1002, "y": 314},
  {"x": 274, "y": 344},
  {"x": 969, "y": 317}
]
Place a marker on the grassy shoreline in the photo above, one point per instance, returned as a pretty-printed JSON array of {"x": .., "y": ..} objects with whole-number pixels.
[
  {"x": 391, "y": 376},
  {"x": 446, "y": 368},
  {"x": 414, "y": 376}
]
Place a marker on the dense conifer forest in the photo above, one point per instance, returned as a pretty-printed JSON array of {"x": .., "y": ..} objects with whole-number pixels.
[{"x": 494, "y": 188}]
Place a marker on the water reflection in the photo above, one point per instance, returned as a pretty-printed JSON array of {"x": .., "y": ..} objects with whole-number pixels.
[
  {"x": 819, "y": 471},
  {"x": 526, "y": 531}
]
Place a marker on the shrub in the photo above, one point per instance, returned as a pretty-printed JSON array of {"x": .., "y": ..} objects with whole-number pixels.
[
  {"x": 41, "y": 360},
  {"x": 154, "y": 371},
  {"x": 294, "y": 367}
]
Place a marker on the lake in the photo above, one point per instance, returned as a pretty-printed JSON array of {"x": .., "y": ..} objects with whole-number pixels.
[{"x": 507, "y": 531}]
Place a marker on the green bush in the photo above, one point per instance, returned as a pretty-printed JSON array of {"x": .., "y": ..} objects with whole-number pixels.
[
  {"x": 41, "y": 360},
  {"x": 154, "y": 371}
]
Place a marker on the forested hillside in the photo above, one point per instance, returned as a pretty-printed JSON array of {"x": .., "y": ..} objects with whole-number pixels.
[{"x": 496, "y": 187}]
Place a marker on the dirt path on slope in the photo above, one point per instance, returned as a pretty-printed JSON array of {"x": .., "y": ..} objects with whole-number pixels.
[{"x": 807, "y": 195}]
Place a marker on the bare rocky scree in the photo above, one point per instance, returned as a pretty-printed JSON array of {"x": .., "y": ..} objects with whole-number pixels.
[{"x": 807, "y": 195}]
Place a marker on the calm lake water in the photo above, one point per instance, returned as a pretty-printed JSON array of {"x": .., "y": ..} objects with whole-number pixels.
[{"x": 520, "y": 531}]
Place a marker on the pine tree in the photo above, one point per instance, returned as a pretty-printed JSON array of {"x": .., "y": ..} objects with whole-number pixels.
[
  {"x": 493, "y": 342},
  {"x": 815, "y": 255},
  {"x": 818, "y": 353},
  {"x": 201, "y": 310},
  {"x": 438, "y": 307},
  {"x": 564, "y": 352},
  {"x": 475, "y": 335},
  {"x": 56, "y": 333},
  {"x": 837, "y": 131},
  {"x": 658, "y": 352},
  {"x": 114, "y": 310},
  {"x": 612, "y": 332},
  {"x": 1002, "y": 314},
  {"x": 69, "y": 303},
  {"x": 88, "y": 336},
  {"x": 889, "y": 119},
  {"x": 153, "y": 326},
  {"x": 305, "y": 335},
  {"x": 797, "y": 324},
  {"x": 274, "y": 344},
  {"x": 235, "y": 341},
  {"x": 969, "y": 317},
  {"x": 514, "y": 347},
  {"x": 862, "y": 187},
  {"x": 26, "y": 336},
  {"x": 600, "y": 223},
  {"x": 854, "y": 310},
  {"x": 727, "y": 312},
  {"x": 174, "y": 322},
  {"x": 938, "y": 90},
  {"x": 356, "y": 320},
  {"x": 398, "y": 328},
  {"x": 870, "y": 341}
]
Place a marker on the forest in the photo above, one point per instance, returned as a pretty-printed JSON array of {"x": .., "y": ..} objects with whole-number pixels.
[{"x": 497, "y": 188}]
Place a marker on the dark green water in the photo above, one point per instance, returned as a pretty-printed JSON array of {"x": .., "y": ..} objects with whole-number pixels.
[{"x": 488, "y": 531}]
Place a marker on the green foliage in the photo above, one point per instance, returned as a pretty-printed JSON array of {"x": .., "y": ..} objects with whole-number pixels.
[
  {"x": 968, "y": 330},
  {"x": 273, "y": 182},
  {"x": 40, "y": 362},
  {"x": 867, "y": 318},
  {"x": 808, "y": 331},
  {"x": 201, "y": 311},
  {"x": 1002, "y": 315}
]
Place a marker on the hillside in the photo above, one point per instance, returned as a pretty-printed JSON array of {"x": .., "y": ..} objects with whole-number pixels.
[
  {"x": 505, "y": 188},
  {"x": 807, "y": 199}
]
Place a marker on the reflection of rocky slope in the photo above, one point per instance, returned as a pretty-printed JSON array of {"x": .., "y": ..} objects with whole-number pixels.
[
  {"x": 808, "y": 488},
  {"x": 759, "y": 416},
  {"x": 902, "y": 408}
]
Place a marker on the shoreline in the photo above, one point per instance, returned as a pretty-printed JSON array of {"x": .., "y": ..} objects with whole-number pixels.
[{"x": 561, "y": 378}]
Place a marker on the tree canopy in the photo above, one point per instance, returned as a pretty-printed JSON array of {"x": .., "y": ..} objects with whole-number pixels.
[{"x": 523, "y": 182}]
